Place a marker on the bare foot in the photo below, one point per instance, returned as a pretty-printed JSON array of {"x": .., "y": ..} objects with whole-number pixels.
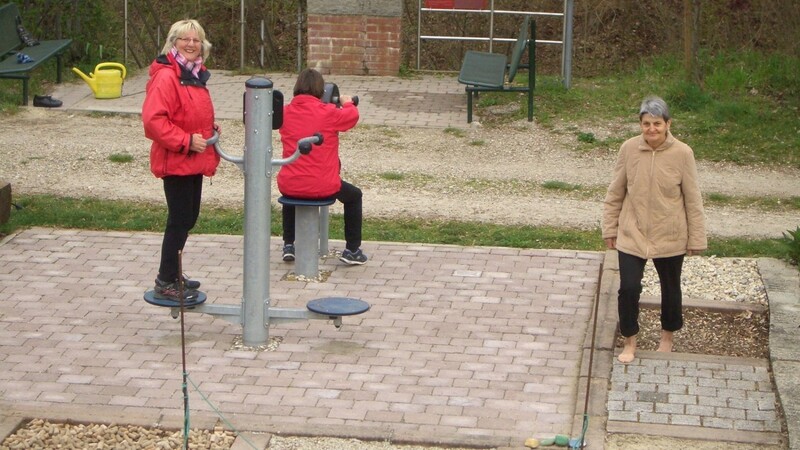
[
  {"x": 628, "y": 350},
  {"x": 665, "y": 345}
]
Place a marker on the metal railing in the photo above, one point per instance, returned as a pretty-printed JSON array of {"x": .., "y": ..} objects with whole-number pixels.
[{"x": 565, "y": 42}]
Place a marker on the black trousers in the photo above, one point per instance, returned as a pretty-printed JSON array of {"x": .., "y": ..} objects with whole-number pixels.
[
  {"x": 183, "y": 195},
  {"x": 350, "y": 196},
  {"x": 631, "y": 272}
]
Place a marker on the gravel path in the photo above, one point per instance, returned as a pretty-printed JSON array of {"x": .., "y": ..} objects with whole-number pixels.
[{"x": 471, "y": 174}]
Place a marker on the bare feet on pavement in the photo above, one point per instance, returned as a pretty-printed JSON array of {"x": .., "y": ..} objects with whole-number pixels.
[
  {"x": 665, "y": 345},
  {"x": 628, "y": 351}
]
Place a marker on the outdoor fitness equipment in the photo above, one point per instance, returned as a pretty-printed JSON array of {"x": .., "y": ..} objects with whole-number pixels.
[
  {"x": 255, "y": 314},
  {"x": 330, "y": 94}
]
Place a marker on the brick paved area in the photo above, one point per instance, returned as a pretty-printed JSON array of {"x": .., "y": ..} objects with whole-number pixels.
[
  {"x": 694, "y": 390},
  {"x": 462, "y": 345},
  {"x": 425, "y": 101}
]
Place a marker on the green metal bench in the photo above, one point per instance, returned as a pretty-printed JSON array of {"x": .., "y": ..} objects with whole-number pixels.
[
  {"x": 11, "y": 44},
  {"x": 486, "y": 72}
]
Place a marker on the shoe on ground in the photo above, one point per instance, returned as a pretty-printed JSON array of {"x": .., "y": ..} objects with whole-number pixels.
[
  {"x": 288, "y": 252},
  {"x": 355, "y": 258},
  {"x": 166, "y": 290},
  {"x": 188, "y": 283},
  {"x": 46, "y": 101}
]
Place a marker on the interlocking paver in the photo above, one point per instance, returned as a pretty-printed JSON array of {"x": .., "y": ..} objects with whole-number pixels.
[{"x": 461, "y": 341}]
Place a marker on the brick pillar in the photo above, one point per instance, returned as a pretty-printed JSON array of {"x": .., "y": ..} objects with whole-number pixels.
[{"x": 354, "y": 37}]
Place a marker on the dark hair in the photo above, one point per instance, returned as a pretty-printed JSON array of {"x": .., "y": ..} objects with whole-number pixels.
[{"x": 309, "y": 82}]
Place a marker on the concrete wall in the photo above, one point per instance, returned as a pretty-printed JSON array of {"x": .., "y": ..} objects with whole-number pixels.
[{"x": 354, "y": 37}]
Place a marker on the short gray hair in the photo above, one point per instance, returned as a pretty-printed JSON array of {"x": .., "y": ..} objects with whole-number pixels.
[{"x": 656, "y": 107}]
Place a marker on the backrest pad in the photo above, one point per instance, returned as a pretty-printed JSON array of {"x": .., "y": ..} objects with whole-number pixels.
[
  {"x": 519, "y": 49},
  {"x": 9, "y": 39}
]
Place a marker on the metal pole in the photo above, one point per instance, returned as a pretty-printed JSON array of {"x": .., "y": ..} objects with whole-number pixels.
[
  {"x": 241, "y": 38},
  {"x": 419, "y": 29},
  {"x": 491, "y": 24},
  {"x": 299, "y": 37},
  {"x": 566, "y": 50},
  {"x": 261, "y": 47},
  {"x": 126, "y": 32},
  {"x": 257, "y": 192}
]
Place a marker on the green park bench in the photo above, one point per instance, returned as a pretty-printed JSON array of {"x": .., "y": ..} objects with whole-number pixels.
[
  {"x": 486, "y": 72},
  {"x": 11, "y": 44}
]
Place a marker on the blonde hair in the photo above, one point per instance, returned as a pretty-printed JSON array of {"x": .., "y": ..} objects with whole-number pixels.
[{"x": 180, "y": 28}]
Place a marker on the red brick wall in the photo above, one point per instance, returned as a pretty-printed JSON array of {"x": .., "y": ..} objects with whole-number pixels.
[{"x": 354, "y": 45}]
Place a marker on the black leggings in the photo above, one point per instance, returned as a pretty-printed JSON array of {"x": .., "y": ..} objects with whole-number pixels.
[
  {"x": 631, "y": 272},
  {"x": 183, "y": 195},
  {"x": 350, "y": 196}
]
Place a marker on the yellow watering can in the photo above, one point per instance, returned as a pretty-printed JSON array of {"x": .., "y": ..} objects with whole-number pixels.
[{"x": 106, "y": 80}]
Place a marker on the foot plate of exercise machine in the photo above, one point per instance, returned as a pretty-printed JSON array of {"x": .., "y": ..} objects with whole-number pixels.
[
  {"x": 150, "y": 297},
  {"x": 338, "y": 306}
]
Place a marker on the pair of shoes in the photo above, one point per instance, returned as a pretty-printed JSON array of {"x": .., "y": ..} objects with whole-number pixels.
[
  {"x": 188, "y": 283},
  {"x": 288, "y": 252},
  {"x": 355, "y": 258},
  {"x": 22, "y": 58},
  {"x": 26, "y": 37},
  {"x": 45, "y": 101},
  {"x": 170, "y": 290}
]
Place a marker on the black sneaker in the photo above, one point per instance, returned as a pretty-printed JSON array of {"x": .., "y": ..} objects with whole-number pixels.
[
  {"x": 188, "y": 283},
  {"x": 355, "y": 258},
  {"x": 165, "y": 290},
  {"x": 288, "y": 252}
]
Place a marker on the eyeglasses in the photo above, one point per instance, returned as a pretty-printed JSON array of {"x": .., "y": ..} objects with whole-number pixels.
[{"x": 191, "y": 40}]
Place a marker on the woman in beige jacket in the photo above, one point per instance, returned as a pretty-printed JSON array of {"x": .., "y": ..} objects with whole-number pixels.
[{"x": 653, "y": 210}]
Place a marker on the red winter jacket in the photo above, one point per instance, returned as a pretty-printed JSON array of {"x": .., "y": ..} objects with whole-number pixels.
[
  {"x": 315, "y": 175},
  {"x": 177, "y": 105}
]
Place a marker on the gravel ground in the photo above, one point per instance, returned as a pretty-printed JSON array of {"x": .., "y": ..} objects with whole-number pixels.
[{"x": 472, "y": 174}]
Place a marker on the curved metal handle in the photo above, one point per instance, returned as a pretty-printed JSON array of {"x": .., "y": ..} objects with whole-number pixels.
[
  {"x": 214, "y": 140},
  {"x": 303, "y": 147}
]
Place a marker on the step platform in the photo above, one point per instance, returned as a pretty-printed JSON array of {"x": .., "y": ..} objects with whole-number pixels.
[
  {"x": 338, "y": 306},
  {"x": 150, "y": 297}
]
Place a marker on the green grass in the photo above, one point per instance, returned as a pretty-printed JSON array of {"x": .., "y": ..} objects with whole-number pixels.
[
  {"x": 58, "y": 212},
  {"x": 391, "y": 176},
  {"x": 745, "y": 112},
  {"x": 120, "y": 158}
]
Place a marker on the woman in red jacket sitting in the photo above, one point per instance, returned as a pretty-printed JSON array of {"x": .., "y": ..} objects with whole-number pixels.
[
  {"x": 178, "y": 117},
  {"x": 317, "y": 175}
]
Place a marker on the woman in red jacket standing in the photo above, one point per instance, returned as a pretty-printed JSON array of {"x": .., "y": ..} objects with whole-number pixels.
[
  {"x": 316, "y": 175},
  {"x": 178, "y": 117}
]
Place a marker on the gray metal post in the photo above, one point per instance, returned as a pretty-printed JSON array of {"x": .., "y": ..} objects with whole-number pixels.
[
  {"x": 257, "y": 195},
  {"x": 566, "y": 50},
  {"x": 323, "y": 230},
  {"x": 306, "y": 224}
]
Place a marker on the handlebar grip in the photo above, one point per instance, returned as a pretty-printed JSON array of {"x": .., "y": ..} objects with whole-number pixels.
[
  {"x": 304, "y": 145},
  {"x": 355, "y": 100},
  {"x": 213, "y": 139}
]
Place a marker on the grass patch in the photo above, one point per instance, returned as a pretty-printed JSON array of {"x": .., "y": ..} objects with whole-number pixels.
[
  {"x": 477, "y": 143},
  {"x": 93, "y": 214},
  {"x": 391, "y": 176},
  {"x": 561, "y": 186},
  {"x": 457, "y": 132},
  {"x": 120, "y": 158},
  {"x": 745, "y": 112}
]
